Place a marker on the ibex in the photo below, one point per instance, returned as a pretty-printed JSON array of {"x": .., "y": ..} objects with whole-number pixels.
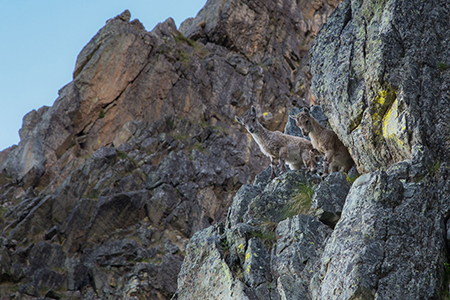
[
  {"x": 336, "y": 155},
  {"x": 293, "y": 150}
]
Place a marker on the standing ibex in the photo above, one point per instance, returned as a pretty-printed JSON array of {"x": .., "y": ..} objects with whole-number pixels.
[
  {"x": 293, "y": 150},
  {"x": 326, "y": 141}
]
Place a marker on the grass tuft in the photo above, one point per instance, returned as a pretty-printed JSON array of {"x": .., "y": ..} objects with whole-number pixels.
[
  {"x": 434, "y": 167},
  {"x": 301, "y": 202},
  {"x": 180, "y": 38},
  {"x": 442, "y": 66},
  {"x": 353, "y": 178}
]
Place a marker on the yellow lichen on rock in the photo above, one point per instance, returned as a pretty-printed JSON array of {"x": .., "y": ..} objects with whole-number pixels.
[
  {"x": 247, "y": 256},
  {"x": 382, "y": 106},
  {"x": 393, "y": 125},
  {"x": 381, "y": 98},
  {"x": 376, "y": 123}
]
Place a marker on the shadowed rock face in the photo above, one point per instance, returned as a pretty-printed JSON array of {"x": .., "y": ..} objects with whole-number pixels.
[
  {"x": 381, "y": 71},
  {"x": 140, "y": 150}
]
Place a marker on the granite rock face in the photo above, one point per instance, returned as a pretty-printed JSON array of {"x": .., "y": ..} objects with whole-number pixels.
[
  {"x": 259, "y": 258},
  {"x": 366, "y": 258},
  {"x": 380, "y": 69},
  {"x": 387, "y": 240}
]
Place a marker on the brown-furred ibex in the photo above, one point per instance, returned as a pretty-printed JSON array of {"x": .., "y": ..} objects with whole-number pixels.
[
  {"x": 293, "y": 150},
  {"x": 325, "y": 140}
]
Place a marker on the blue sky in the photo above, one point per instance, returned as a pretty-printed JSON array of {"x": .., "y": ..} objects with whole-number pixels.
[{"x": 40, "y": 41}]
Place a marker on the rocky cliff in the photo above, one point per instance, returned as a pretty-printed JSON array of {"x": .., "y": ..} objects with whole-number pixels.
[
  {"x": 380, "y": 72},
  {"x": 138, "y": 184},
  {"x": 140, "y": 150}
]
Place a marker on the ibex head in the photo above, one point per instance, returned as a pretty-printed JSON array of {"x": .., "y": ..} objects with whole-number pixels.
[
  {"x": 248, "y": 120},
  {"x": 303, "y": 120}
]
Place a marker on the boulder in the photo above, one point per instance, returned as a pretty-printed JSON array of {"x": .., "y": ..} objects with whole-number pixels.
[
  {"x": 240, "y": 204},
  {"x": 43, "y": 270},
  {"x": 329, "y": 197},
  {"x": 273, "y": 204},
  {"x": 204, "y": 274},
  {"x": 36, "y": 221},
  {"x": 299, "y": 246},
  {"x": 256, "y": 265},
  {"x": 74, "y": 228},
  {"x": 5, "y": 263}
]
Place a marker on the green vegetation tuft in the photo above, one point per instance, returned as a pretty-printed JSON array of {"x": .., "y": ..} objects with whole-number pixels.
[
  {"x": 238, "y": 273},
  {"x": 267, "y": 233},
  {"x": 267, "y": 237},
  {"x": 442, "y": 66},
  {"x": 172, "y": 124},
  {"x": 225, "y": 248},
  {"x": 434, "y": 167},
  {"x": 181, "y": 137},
  {"x": 124, "y": 155},
  {"x": 268, "y": 227},
  {"x": 301, "y": 202},
  {"x": 101, "y": 115},
  {"x": 92, "y": 194},
  {"x": 2, "y": 214},
  {"x": 180, "y": 38},
  {"x": 418, "y": 178},
  {"x": 121, "y": 154},
  {"x": 353, "y": 178},
  {"x": 197, "y": 146},
  {"x": 224, "y": 244},
  {"x": 184, "y": 57}
]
